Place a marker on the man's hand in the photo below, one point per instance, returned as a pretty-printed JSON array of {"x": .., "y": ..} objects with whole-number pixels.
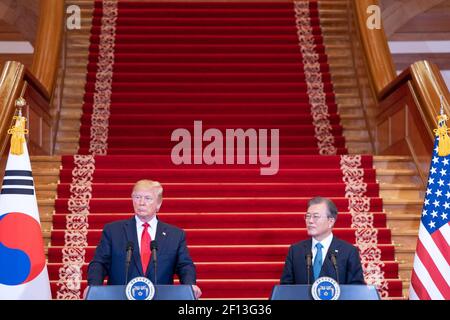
[{"x": 197, "y": 291}]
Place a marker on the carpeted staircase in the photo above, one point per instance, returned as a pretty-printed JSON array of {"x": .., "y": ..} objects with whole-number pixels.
[{"x": 230, "y": 65}]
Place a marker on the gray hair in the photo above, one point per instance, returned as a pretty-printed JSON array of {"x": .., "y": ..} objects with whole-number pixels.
[{"x": 332, "y": 209}]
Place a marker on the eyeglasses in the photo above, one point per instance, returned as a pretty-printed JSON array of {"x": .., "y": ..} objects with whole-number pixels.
[
  {"x": 315, "y": 217},
  {"x": 136, "y": 197}
]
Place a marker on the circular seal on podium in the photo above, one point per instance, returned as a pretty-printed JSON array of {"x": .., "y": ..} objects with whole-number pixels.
[
  {"x": 325, "y": 288},
  {"x": 140, "y": 288}
]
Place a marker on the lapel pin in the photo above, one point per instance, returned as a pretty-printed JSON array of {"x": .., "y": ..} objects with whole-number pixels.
[{"x": 163, "y": 233}]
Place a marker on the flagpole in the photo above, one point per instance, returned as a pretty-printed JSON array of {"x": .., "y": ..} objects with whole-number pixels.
[
  {"x": 429, "y": 278},
  {"x": 23, "y": 263}
]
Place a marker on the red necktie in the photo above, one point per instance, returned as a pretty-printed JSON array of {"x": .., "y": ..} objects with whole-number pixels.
[{"x": 145, "y": 248}]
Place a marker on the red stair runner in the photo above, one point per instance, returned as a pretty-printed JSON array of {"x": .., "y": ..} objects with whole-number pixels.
[{"x": 230, "y": 65}]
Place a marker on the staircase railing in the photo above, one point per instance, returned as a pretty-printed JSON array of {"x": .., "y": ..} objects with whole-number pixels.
[
  {"x": 36, "y": 84},
  {"x": 11, "y": 83},
  {"x": 402, "y": 110}
]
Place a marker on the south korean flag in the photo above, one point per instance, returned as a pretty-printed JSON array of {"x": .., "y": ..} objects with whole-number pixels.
[{"x": 23, "y": 269}]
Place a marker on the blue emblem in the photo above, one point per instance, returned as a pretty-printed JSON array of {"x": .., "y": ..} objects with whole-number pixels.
[
  {"x": 325, "y": 288},
  {"x": 140, "y": 288}
]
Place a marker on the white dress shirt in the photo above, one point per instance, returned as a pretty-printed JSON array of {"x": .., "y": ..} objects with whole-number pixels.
[
  {"x": 326, "y": 245},
  {"x": 152, "y": 229}
]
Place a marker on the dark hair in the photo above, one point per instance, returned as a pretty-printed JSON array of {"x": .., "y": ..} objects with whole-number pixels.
[{"x": 332, "y": 210}]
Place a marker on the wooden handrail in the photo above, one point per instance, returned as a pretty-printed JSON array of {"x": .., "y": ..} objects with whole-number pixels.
[
  {"x": 376, "y": 50},
  {"x": 425, "y": 76},
  {"x": 428, "y": 86},
  {"x": 36, "y": 84},
  {"x": 39, "y": 87},
  {"x": 11, "y": 83},
  {"x": 408, "y": 111},
  {"x": 48, "y": 43},
  {"x": 405, "y": 106},
  {"x": 16, "y": 81}
]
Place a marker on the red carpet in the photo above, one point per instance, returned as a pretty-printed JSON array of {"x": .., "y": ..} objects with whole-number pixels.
[
  {"x": 236, "y": 253},
  {"x": 156, "y": 67}
]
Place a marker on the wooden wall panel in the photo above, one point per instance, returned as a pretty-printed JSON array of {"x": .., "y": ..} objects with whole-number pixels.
[
  {"x": 25, "y": 59},
  {"x": 406, "y": 133},
  {"x": 398, "y": 126},
  {"x": 418, "y": 142},
  {"x": 39, "y": 121},
  {"x": 383, "y": 128}
]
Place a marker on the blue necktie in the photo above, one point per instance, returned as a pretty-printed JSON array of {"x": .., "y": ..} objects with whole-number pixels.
[{"x": 317, "y": 266}]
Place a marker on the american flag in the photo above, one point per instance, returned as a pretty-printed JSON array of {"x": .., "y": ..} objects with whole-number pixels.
[{"x": 430, "y": 279}]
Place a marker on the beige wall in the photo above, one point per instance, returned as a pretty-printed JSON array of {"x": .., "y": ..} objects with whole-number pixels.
[
  {"x": 5, "y": 8},
  {"x": 23, "y": 15},
  {"x": 396, "y": 13}
]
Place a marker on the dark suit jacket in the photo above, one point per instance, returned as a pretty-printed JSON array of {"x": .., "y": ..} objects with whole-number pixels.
[
  {"x": 348, "y": 261},
  {"x": 172, "y": 255}
]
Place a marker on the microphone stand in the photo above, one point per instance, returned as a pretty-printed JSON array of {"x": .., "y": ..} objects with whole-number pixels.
[
  {"x": 156, "y": 270},
  {"x": 308, "y": 267},
  {"x": 334, "y": 261},
  {"x": 154, "y": 249},
  {"x": 128, "y": 260}
]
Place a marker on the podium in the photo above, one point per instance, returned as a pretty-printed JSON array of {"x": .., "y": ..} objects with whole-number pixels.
[
  {"x": 162, "y": 292},
  {"x": 303, "y": 292}
]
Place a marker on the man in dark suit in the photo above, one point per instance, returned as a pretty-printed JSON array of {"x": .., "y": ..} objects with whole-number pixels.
[
  {"x": 321, "y": 249},
  {"x": 172, "y": 255}
]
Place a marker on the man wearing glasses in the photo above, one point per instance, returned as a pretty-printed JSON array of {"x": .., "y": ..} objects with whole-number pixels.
[
  {"x": 323, "y": 253},
  {"x": 138, "y": 233}
]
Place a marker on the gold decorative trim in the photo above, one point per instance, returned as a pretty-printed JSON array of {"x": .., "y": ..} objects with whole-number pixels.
[
  {"x": 103, "y": 81},
  {"x": 362, "y": 221},
  {"x": 313, "y": 76},
  {"x": 75, "y": 238}
]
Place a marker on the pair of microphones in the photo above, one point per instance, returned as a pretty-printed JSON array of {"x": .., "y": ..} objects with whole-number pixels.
[
  {"x": 333, "y": 258},
  {"x": 130, "y": 248}
]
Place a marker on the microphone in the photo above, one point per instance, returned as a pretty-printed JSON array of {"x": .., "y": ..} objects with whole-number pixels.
[
  {"x": 308, "y": 266},
  {"x": 154, "y": 249},
  {"x": 130, "y": 246},
  {"x": 335, "y": 264}
]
